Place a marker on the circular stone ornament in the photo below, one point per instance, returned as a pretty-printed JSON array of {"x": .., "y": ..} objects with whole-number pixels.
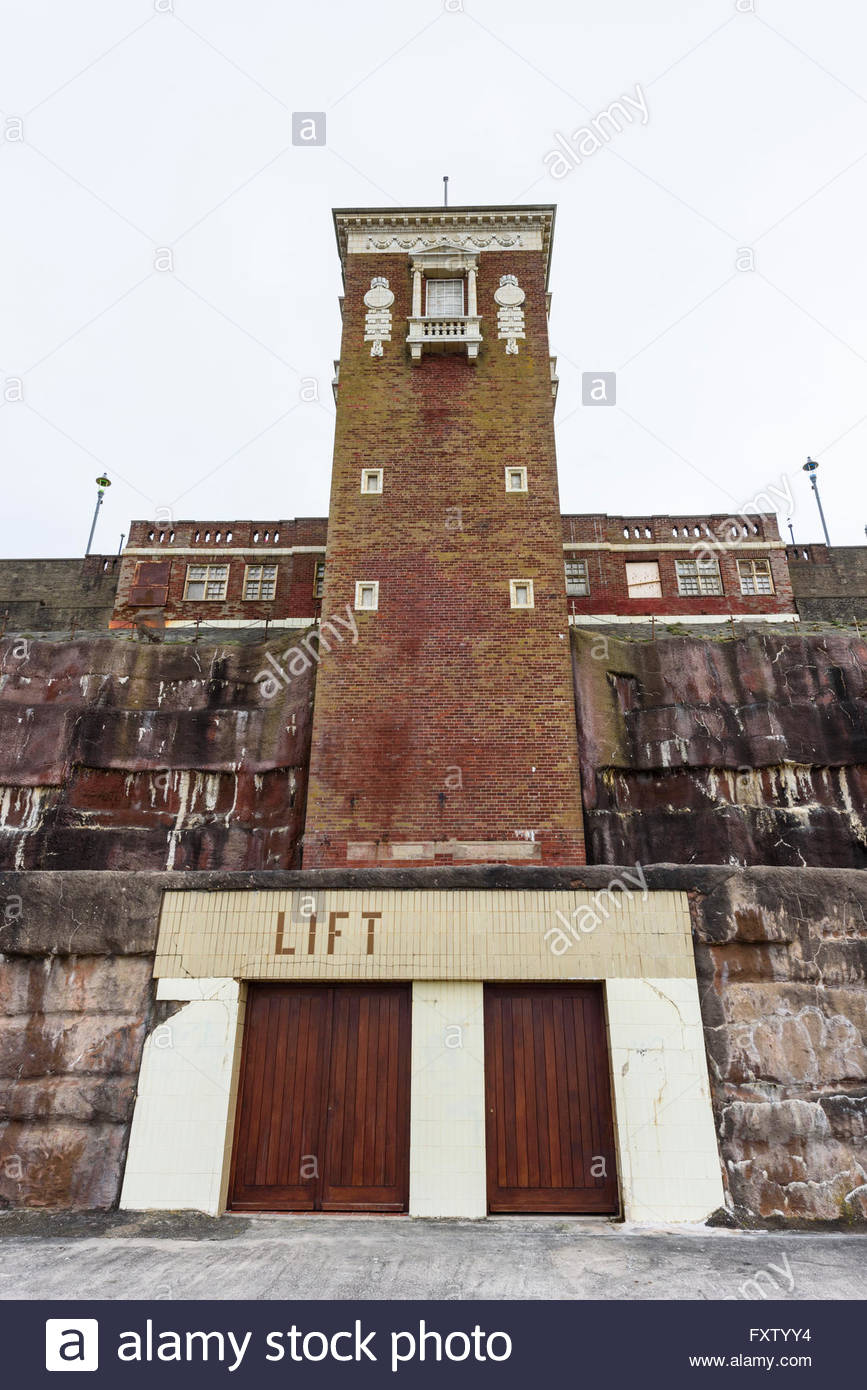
[
  {"x": 379, "y": 296},
  {"x": 509, "y": 293}
]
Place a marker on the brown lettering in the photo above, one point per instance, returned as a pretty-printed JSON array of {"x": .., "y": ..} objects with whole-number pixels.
[
  {"x": 280, "y": 949},
  {"x": 370, "y": 918},
  {"x": 332, "y": 931}
]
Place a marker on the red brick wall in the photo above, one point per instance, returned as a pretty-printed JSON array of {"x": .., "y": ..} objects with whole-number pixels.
[
  {"x": 648, "y": 539},
  {"x": 453, "y": 717},
  {"x": 191, "y": 542}
]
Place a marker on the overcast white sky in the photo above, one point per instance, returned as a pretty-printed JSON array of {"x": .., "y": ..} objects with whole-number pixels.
[{"x": 145, "y": 129}]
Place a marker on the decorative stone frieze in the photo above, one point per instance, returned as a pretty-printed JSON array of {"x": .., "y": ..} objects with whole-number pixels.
[
  {"x": 377, "y": 320},
  {"x": 510, "y": 314}
]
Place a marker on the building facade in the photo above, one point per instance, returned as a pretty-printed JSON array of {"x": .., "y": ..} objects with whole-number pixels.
[
  {"x": 376, "y": 971},
  {"x": 222, "y": 574},
  {"x": 615, "y": 569},
  {"x": 423, "y": 1047},
  {"x": 684, "y": 569}
]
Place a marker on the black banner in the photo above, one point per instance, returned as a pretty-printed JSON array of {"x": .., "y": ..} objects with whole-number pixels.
[{"x": 428, "y": 1344}]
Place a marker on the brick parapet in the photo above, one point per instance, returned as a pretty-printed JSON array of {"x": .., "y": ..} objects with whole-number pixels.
[{"x": 294, "y": 546}]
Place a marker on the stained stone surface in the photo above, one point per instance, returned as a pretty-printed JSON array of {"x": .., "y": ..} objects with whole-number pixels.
[
  {"x": 715, "y": 751},
  {"x": 116, "y": 754}
]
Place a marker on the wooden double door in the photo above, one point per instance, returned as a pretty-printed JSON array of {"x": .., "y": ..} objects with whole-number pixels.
[
  {"x": 550, "y": 1127},
  {"x": 323, "y": 1105}
]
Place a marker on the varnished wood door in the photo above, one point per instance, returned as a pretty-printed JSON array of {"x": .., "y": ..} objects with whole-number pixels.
[
  {"x": 323, "y": 1105},
  {"x": 550, "y": 1131}
]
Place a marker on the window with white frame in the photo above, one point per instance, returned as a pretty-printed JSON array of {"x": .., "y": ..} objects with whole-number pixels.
[
  {"x": 445, "y": 298},
  {"x": 642, "y": 579},
  {"x": 319, "y": 579},
  {"x": 521, "y": 592},
  {"x": 699, "y": 576},
  {"x": 577, "y": 579},
  {"x": 367, "y": 595},
  {"x": 260, "y": 582},
  {"x": 206, "y": 581},
  {"x": 371, "y": 480},
  {"x": 755, "y": 576},
  {"x": 516, "y": 480}
]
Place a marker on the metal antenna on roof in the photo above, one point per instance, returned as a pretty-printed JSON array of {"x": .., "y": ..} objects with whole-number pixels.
[{"x": 445, "y": 190}]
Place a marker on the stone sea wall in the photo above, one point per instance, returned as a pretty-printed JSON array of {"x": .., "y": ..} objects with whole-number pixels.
[
  {"x": 128, "y": 755},
  {"x": 713, "y": 751}
]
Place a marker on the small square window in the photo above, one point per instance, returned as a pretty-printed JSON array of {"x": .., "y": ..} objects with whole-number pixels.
[
  {"x": 367, "y": 595},
  {"x": 206, "y": 582},
  {"x": 516, "y": 480},
  {"x": 577, "y": 581},
  {"x": 521, "y": 593},
  {"x": 319, "y": 579},
  {"x": 371, "y": 480},
  {"x": 260, "y": 582}
]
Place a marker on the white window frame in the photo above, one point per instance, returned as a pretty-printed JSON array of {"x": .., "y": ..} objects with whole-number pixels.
[
  {"x": 366, "y": 475},
  {"x": 514, "y": 586},
  {"x": 318, "y": 578},
  {"x": 750, "y": 576},
  {"x": 702, "y": 571},
  {"x": 360, "y": 586},
  {"x": 523, "y": 476},
  {"x": 453, "y": 313},
  {"x": 207, "y": 580},
  {"x": 576, "y": 560},
  {"x": 255, "y": 574}
]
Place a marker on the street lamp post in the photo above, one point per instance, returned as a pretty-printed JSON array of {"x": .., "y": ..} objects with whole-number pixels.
[
  {"x": 810, "y": 467},
  {"x": 101, "y": 484}
]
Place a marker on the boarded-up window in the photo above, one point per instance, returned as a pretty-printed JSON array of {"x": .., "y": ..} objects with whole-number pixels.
[
  {"x": 151, "y": 584},
  {"x": 642, "y": 579}
]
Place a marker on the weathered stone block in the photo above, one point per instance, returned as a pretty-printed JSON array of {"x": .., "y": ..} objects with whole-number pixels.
[
  {"x": 89, "y": 1099},
  {"x": 73, "y": 984},
  {"x": 60, "y": 1164},
  {"x": 53, "y": 1044}
]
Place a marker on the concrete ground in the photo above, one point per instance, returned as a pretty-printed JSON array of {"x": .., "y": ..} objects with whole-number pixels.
[{"x": 182, "y": 1256}]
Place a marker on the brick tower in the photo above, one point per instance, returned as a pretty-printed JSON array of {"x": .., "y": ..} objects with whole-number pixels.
[{"x": 447, "y": 732}]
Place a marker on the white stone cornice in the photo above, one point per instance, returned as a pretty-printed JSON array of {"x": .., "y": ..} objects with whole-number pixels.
[
  {"x": 251, "y": 553},
  {"x": 689, "y": 543},
  {"x": 403, "y": 230}
]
